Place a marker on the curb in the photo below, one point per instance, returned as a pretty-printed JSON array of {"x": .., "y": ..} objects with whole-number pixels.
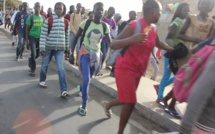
[{"x": 144, "y": 111}]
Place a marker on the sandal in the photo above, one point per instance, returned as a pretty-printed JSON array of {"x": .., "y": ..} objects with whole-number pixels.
[
  {"x": 174, "y": 113},
  {"x": 79, "y": 90},
  {"x": 108, "y": 112},
  {"x": 162, "y": 104},
  {"x": 82, "y": 111}
]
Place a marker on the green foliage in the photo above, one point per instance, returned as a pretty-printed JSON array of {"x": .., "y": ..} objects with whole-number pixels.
[{"x": 10, "y": 3}]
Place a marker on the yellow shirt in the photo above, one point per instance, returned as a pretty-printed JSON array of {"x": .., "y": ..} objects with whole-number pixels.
[{"x": 75, "y": 21}]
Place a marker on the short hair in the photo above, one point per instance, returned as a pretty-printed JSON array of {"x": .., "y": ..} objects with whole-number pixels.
[
  {"x": 98, "y": 4},
  {"x": 132, "y": 12},
  {"x": 149, "y": 5},
  {"x": 36, "y": 3},
  {"x": 71, "y": 6},
  {"x": 89, "y": 13},
  {"x": 78, "y": 4},
  {"x": 212, "y": 5},
  {"x": 111, "y": 8},
  {"x": 64, "y": 7},
  {"x": 24, "y": 3}
]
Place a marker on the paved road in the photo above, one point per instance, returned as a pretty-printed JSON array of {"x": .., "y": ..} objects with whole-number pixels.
[{"x": 25, "y": 108}]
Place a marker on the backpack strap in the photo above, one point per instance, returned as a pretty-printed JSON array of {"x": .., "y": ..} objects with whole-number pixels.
[
  {"x": 106, "y": 20},
  {"x": 104, "y": 26},
  {"x": 50, "y": 23},
  {"x": 84, "y": 30},
  {"x": 66, "y": 23},
  {"x": 138, "y": 29},
  {"x": 32, "y": 21}
]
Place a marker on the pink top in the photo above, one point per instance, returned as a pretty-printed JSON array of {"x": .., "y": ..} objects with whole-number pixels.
[{"x": 137, "y": 55}]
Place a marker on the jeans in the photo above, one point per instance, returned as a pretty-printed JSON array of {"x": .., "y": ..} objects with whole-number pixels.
[
  {"x": 166, "y": 80},
  {"x": 59, "y": 58},
  {"x": 87, "y": 72},
  {"x": 7, "y": 22},
  {"x": 35, "y": 52},
  {"x": 21, "y": 45},
  {"x": 104, "y": 49},
  {"x": 1, "y": 22},
  {"x": 71, "y": 38}
]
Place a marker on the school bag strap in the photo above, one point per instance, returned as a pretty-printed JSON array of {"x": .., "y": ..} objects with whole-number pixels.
[
  {"x": 50, "y": 23},
  {"x": 87, "y": 26},
  {"x": 106, "y": 21},
  {"x": 138, "y": 29}
]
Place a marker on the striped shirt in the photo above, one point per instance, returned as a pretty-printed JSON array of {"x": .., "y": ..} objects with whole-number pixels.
[{"x": 58, "y": 38}]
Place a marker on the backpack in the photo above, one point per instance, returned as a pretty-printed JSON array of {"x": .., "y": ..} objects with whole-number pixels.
[
  {"x": 106, "y": 21},
  {"x": 32, "y": 20},
  {"x": 187, "y": 75},
  {"x": 50, "y": 23},
  {"x": 115, "y": 53},
  {"x": 87, "y": 26}
]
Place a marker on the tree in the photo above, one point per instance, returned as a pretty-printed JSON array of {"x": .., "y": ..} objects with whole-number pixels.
[{"x": 10, "y": 3}]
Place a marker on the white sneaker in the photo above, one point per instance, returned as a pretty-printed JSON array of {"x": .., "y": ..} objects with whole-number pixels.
[
  {"x": 64, "y": 94},
  {"x": 43, "y": 84}
]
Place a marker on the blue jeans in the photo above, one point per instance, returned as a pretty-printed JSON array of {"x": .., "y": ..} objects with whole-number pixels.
[
  {"x": 35, "y": 52},
  {"x": 87, "y": 72},
  {"x": 21, "y": 45},
  {"x": 1, "y": 23},
  {"x": 104, "y": 49},
  {"x": 7, "y": 22},
  {"x": 71, "y": 38},
  {"x": 59, "y": 58},
  {"x": 166, "y": 80}
]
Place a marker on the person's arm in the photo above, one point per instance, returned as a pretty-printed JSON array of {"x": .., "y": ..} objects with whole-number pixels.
[
  {"x": 153, "y": 54},
  {"x": 28, "y": 24},
  {"x": 72, "y": 29},
  {"x": 124, "y": 38},
  {"x": 212, "y": 31},
  {"x": 196, "y": 48},
  {"x": 43, "y": 36},
  {"x": 170, "y": 35},
  {"x": 161, "y": 45},
  {"x": 199, "y": 96},
  {"x": 71, "y": 57},
  {"x": 181, "y": 35}
]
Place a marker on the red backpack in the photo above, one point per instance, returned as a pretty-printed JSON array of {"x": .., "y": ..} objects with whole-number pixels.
[
  {"x": 187, "y": 75},
  {"x": 50, "y": 23},
  {"x": 106, "y": 21}
]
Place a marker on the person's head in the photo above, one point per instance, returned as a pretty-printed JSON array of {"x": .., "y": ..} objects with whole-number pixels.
[
  {"x": 37, "y": 7},
  {"x": 152, "y": 10},
  {"x": 60, "y": 9},
  {"x": 20, "y": 7},
  {"x": 90, "y": 15},
  {"x": 182, "y": 11},
  {"x": 132, "y": 15},
  {"x": 83, "y": 10},
  {"x": 98, "y": 10},
  {"x": 205, "y": 6},
  {"x": 78, "y": 7},
  {"x": 41, "y": 9},
  {"x": 49, "y": 11},
  {"x": 25, "y": 6},
  {"x": 117, "y": 17},
  {"x": 71, "y": 9},
  {"x": 111, "y": 12}
]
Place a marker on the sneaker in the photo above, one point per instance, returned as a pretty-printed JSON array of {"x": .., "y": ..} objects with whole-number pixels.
[
  {"x": 17, "y": 59},
  {"x": 158, "y": 100},
  {"x": 21, "y": 57},
  {"x": 13, "y": 44},
  {"x": 64, "y": 94},
  {"x": 43, "y": 84}
]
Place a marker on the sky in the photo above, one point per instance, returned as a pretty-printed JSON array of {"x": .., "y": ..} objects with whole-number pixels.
[{"x": 121, "y": 6}]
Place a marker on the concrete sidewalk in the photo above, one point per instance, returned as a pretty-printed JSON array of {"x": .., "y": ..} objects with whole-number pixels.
[{"x": 146, "y": 96}]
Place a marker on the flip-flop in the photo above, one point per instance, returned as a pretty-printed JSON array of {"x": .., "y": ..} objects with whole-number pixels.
[
  {"x": 107, "y": 112},
  {"x": 174, "y": 114},
  {"x": 162, "y": 104},
  {"x": 82, "y": 111}
]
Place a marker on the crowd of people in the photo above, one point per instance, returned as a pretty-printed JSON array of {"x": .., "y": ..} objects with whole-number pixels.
[{"x": 128, "y": 47}]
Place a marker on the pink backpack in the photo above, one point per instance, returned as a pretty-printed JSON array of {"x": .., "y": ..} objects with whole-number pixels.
[{"x": 189, "y": 73}]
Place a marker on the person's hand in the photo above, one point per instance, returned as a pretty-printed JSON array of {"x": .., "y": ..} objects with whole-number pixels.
[
  {"x": 139, "y": 38},
  {"x": 42, "y": 53},
  {"x": 27, "y": 45},
  {"x": 71, "y": 59}
]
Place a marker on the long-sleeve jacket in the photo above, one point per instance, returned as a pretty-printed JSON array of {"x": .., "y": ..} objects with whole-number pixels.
[{"x": 58, "y": 38}]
